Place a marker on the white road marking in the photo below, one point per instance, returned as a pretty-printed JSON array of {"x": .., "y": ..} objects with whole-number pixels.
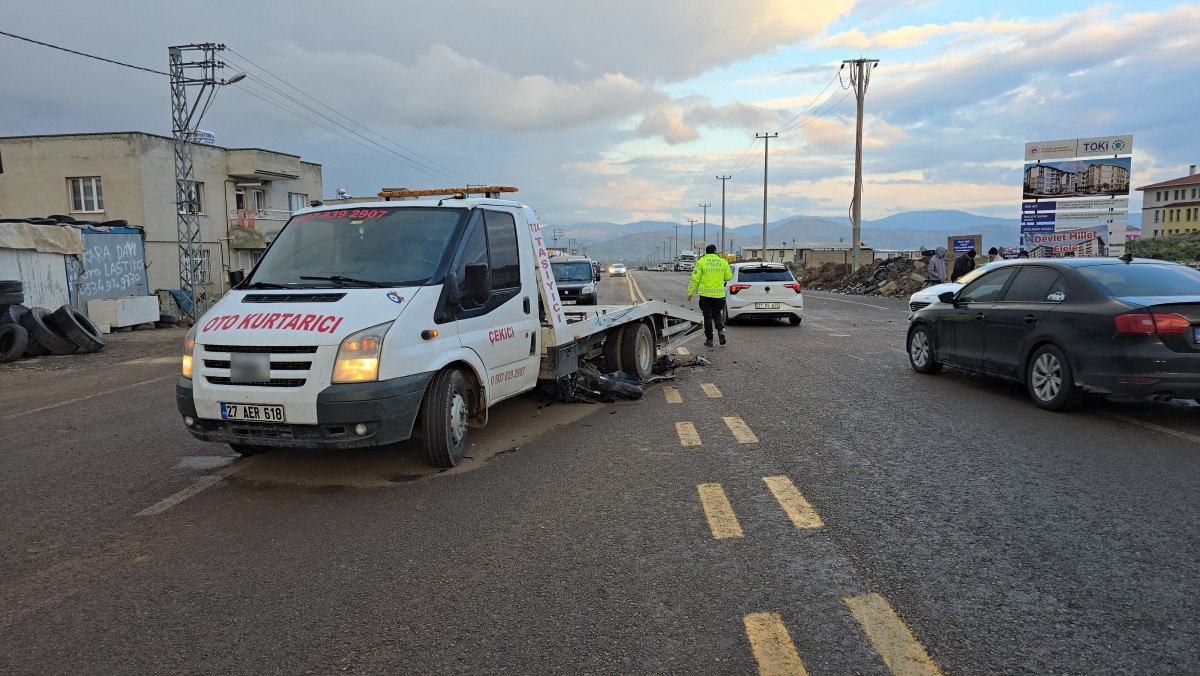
[
  {"x": 1151, "y": 426},
  {"x": 839, "y": 335},
  {"x": 151, "y": 360},
  {"x": 76, "y": 400},
  {"x": 169, "y": 502},
  {"x": 853, "y": 302}
]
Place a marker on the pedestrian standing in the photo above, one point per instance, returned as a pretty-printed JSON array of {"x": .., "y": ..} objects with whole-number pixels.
[
  {"x": 708, "y": 280},
  {"x": 937, "y": 266},
  {"x": 994, "y": 255},
  {"x": 963, "y": 265}
]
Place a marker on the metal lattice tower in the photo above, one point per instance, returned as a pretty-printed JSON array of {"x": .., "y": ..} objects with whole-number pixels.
[{"x": 200, "y": 74}]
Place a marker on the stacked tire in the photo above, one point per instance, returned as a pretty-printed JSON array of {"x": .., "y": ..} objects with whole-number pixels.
[{"x": 36, "y": 332}]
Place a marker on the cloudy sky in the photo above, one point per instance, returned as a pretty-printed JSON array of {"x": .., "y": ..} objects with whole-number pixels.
[{"x": 625, "y": 110}]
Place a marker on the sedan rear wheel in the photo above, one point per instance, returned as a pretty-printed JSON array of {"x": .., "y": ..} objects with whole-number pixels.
[
  {"x": 920, "y": 351},
  {"x": 1049, "y": 379}
]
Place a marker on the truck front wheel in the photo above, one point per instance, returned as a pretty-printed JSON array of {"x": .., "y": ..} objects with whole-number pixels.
[
  {"x": 638, "y": 351},
  {"x": 444, "y": 416}
]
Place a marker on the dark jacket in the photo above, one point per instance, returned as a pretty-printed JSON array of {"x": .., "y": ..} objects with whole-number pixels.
[{"x": 962, "y": 265}]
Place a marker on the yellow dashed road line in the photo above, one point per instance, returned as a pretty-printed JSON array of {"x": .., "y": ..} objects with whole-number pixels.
[
  {"x": 711, "y": 390},
  {"x": 688, "y": 436},
  {"x": 721, "y": 519},
  {"x": 629, "y": 282},
  {"x": 793, "y": 503},
  {"x": 741, "y": 431},
  {"x": 672, "y": 395},
  {"x": 772, "y": 645},
  {"x": 895, "y": 643}
]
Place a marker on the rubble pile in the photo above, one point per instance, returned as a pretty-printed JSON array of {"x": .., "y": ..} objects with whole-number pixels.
[{"x": 893, "y": 278}]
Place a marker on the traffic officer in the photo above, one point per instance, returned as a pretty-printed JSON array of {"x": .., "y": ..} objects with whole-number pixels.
[{"x": 708, "y": 279}]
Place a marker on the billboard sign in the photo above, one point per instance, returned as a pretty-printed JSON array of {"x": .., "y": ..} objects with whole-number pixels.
[
  {"x": 1077, "y": 178},
  {"x": 1088, "y": 216},
  {"x": 962, "y": 244},
  {"x": 1037, "y": 217},
  {"x": 1079, "y": 147},
  {"x": 1081, "y": 242},
  {"x": 1037, "y": 227}
]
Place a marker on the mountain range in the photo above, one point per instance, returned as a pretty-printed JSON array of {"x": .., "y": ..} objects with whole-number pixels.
[{"x": 904, "y": 231}]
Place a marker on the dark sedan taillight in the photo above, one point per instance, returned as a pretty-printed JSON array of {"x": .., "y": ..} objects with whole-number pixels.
[{"x": 1148, "y": 324}]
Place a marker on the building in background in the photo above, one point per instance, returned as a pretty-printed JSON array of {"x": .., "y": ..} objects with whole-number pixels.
[
  {"x": 1102, "y": 178},
  {"x": 1046, "y": 180},
  {"x": 243, "y": 195},
  {"x": 808, "y": 254},
  {"x": 1171, "y": 207}
]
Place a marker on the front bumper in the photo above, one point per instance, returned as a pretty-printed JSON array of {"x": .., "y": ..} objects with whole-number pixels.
[{"x": 388, "y": 409}]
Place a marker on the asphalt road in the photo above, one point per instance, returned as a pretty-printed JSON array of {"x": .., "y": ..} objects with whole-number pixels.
[{"x": 806, "y": 499}]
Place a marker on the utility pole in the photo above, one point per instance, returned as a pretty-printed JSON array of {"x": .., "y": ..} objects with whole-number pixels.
[
  {"x": 766, "y": 150},
  {"x": 705, "y": 208},
  {"x": 722, "y": 179},
  {"x": 692, "y": 235},
  {"x": 201, "y": 74},
  {"x": 860, "y": 77},
  {"x": 676, "y": 251},
  {"x": 557, "y": 232}
]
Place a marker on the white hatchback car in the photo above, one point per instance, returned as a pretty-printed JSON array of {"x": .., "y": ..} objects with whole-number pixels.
[
  {"x": 766, "y": 290},
  {"x": 929, "y": 295}
]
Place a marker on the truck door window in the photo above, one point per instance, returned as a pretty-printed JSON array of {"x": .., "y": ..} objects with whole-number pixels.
[
  {"x": 504, "y": 261},
  {"x": 474, "y": 250}
]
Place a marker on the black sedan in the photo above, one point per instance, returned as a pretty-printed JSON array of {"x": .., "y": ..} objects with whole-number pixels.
[{"x": 1127, "y": 328}]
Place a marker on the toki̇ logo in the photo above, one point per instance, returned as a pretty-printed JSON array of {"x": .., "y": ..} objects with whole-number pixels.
[{"x": 1118, "y": 145}]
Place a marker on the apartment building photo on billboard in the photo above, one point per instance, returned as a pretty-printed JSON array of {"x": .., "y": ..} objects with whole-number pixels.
[{"x": 1077, "y": 178}]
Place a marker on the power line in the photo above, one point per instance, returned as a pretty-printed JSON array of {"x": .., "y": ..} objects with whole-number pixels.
[
  {"x": 428, "y": 165},
  {"x": 824, "y": 108},
  {"x": 84, "y": 54},
  {"x": 810, "y": 103}
]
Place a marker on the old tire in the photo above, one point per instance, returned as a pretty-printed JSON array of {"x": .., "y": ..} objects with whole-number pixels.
[
  {"x": 444, "y": 415},
  {"x": 1049, "y": 380},
  {"x": 920, "y": 351},
  {"x": 638, "y": 351},
  {"x": 11, "y": 314},
  {"x": 77, "y": 328},
  {"x": 14, "y": 339},
  {"x": 612, "y": 350},
  {"x": 41, "y": 332},
  {"x": 249, "y": 449}
]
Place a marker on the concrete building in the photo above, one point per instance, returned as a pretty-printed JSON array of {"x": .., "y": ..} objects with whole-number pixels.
[
  {"x": 243, "y": 195},
  {"x": 809, "y": 255},
  {"x": 1102, "y": 178},
  {"x": 1171, "y": 207},
  {"x": 1044, "y": 180}
]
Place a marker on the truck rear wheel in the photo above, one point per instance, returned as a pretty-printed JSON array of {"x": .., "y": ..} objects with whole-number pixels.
[
  {"x": 638, "y": 351},
  {"x": 444, "y": 416}
]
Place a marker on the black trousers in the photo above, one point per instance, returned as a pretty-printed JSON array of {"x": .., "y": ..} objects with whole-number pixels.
[{"x": 712, "y": 307}]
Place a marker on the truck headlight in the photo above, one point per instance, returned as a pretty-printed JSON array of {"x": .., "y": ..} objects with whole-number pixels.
[
  {"x": 189, "y": 348},
  {"x": 358, "y": 355},
  {"x": 588, "y": 289}
]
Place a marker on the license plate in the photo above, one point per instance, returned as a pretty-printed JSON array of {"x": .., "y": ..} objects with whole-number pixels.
[
  {"x": 259, "y": 412},
  {"x": 766, "y": 306}
]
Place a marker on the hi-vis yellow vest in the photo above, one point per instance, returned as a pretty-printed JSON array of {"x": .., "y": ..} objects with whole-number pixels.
[{"x": 709, "y": 276}]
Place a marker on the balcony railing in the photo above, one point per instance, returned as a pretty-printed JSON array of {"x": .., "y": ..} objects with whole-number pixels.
[{"x": 241, "y": 216}]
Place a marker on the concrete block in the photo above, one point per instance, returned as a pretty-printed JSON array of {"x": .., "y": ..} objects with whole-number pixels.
[
  {"x": 121, "y": 312},
  {"x": 103, "y": 327}
]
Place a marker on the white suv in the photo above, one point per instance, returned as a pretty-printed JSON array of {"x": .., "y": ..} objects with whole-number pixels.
[{"x": 766, "y": 290}]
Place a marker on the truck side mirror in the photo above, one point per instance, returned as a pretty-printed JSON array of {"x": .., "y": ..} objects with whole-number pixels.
[{"x": 479, "y": 282}]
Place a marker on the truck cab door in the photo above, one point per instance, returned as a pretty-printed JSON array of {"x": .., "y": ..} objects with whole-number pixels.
[{"x": 502, "y": 328}]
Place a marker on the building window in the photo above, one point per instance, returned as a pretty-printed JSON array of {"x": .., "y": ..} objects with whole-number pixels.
[
  {"x": 247, "y": 259},
  {"x": 1156, "y": 213},
  {"x": 192, "y": 201},
  {"x": 297, "y": 201},
  {"x": 201, "y": 268},
  {"x": 258, "y": 199},
  {"x": 86, "y": 193}
]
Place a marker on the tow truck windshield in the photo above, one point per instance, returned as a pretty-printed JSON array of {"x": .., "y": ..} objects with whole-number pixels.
[
  {"x": 575, "y": 271},
  {"x": 358, "y": 247}
]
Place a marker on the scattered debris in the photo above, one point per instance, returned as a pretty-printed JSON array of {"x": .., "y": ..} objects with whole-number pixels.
[{"x": 893, "y": 278}]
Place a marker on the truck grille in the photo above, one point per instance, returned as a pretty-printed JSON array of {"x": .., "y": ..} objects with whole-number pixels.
[
  {"x": 292, "y": 297},
  {"x": 283, "y": 358}
]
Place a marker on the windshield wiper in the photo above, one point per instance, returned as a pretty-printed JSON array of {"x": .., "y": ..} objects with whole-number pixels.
[
  {"x": 264, "y": 285},
  {"x": 350, "y": 280}
]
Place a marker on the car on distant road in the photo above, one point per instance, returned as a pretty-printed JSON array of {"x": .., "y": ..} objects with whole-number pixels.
[
  {"x": 616, "y": 270},
  {"x": 929, "y": 294},
  {"x": 764, "y": 291},
  {"x": 1125, "y": 328}
]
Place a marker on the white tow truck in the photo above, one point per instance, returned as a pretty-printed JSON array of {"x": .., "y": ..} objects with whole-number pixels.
[{"x": 368, "y": 324}]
